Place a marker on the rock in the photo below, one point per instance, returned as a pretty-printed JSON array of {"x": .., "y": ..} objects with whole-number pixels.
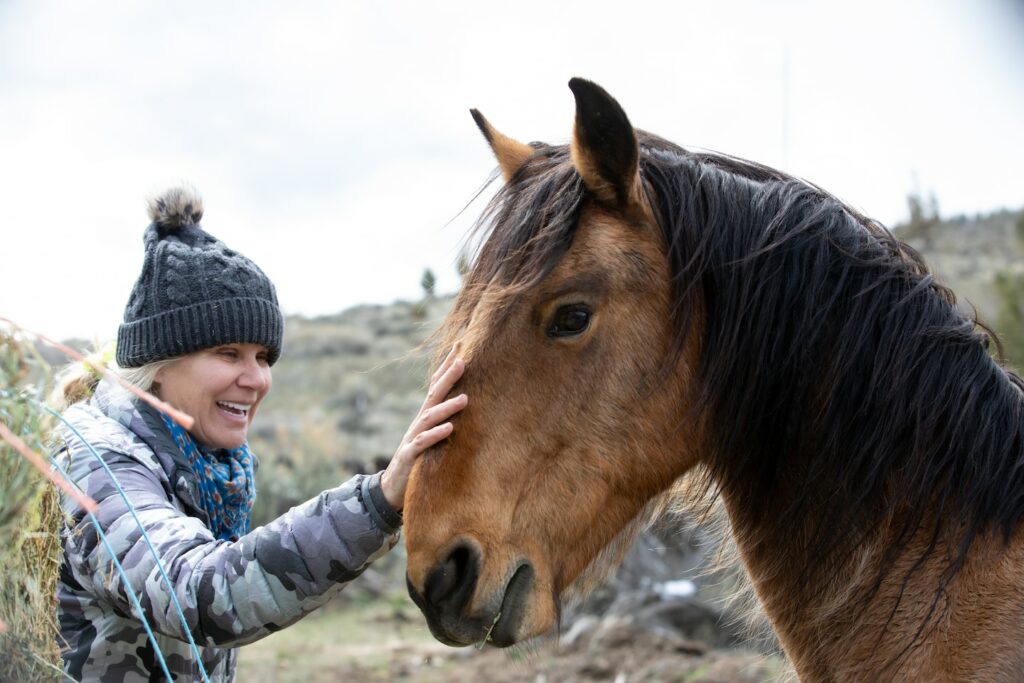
[
  {"x": 629, "y": 602},
  {"x": 579, "y": 633},
  {"x": 599, "y": 669},
  {"x": 686, "y": 617},
  {"x": 614, "y": 632}
]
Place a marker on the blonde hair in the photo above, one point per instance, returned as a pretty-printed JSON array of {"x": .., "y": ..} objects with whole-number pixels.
[{"x": 77, "y": 381}]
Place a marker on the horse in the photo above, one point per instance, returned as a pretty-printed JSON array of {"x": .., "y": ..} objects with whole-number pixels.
[{"x": 637, "y": 314}]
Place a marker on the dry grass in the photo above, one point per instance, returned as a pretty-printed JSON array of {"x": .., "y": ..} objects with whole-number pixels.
[
  {"x": 386, "y": 641},
  {"x": 29, "y": 517}
]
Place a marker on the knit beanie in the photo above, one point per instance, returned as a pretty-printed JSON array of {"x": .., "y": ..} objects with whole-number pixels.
[{"x": 194, "y": 292}]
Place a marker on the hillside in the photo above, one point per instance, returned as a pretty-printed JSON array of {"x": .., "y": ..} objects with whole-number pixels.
[{"x": 969, "y": 253}]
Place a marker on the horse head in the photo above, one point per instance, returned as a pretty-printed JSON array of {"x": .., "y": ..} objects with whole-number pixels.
[{"x": 578, "y": 420}]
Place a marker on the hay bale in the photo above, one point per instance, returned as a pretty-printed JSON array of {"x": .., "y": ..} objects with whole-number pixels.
[{"x": 29, "y": 519}]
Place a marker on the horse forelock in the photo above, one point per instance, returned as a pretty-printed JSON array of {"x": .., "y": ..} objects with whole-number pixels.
[{"x": 526, "y": 228}]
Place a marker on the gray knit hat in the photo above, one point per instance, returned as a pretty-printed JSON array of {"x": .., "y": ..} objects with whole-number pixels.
[{"x": 194, "y": 293}]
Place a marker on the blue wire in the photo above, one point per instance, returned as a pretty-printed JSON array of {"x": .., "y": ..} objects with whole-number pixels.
[
  {"x": 145, "y": 536},
  {"x": 124, "y": 577}
]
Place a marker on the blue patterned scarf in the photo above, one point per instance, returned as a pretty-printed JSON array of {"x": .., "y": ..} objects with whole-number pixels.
[{"x": 227, "y": 488}]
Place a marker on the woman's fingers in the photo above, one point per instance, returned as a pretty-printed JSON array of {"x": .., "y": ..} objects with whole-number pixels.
[
  {"x": 430, "y": 427},
  {"x": 451, "y": 406},
  {"x": 395, "y": 478},
  {"x": 441, "y": 412},
  {"x": 428, "y": 438},
  {"x": 446, "y": 363},
  {"x": 439, "y": 389}
]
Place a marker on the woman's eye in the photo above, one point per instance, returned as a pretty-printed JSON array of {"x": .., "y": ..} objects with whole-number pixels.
[{"x": 569, "y": 320}]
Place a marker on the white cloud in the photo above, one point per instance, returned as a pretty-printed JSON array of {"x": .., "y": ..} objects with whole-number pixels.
[{"x": 332, "y": 141}]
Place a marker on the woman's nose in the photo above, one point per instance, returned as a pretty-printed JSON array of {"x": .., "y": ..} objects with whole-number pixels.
[{"x": 254, "y": 376}]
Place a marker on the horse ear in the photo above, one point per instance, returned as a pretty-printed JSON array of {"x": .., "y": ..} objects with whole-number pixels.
[
  {"x": 604, "y": 146},
  {"x": 511, "y": 154}
]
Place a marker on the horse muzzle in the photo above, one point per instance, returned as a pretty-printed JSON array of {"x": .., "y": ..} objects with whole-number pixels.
[{"x": 455, "y": 617}]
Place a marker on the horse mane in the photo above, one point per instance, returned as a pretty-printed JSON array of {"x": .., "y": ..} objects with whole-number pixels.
[{"x": 829, "y": 350}]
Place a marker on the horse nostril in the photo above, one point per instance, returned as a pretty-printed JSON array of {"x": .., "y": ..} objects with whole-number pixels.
[{"x": 451, "y": 583}]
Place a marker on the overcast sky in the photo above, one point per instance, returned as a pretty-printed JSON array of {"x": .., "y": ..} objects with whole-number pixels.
[{"x": 332, "y": 144}]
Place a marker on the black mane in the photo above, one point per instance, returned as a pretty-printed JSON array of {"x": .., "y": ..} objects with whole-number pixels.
[{"x": 830, "y": 352}]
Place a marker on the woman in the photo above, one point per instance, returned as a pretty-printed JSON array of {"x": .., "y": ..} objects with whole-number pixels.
[{"x": 201, "y": 331}]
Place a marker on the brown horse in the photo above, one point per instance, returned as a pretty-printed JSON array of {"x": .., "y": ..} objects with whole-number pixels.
[{"x": 636, "y": 312}]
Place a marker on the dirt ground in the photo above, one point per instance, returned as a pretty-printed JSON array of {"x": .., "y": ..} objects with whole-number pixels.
[{"x": 386, "y": 641}]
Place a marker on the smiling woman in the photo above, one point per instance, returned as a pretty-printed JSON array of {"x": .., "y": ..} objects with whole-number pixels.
[
  {"x": 220, "y": 388},
  {"x": 201, "y": 331}
]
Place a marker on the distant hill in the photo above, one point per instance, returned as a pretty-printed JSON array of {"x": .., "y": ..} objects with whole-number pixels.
[
  {"x": 344, "y": 392},
  {"x": 969, "y": 253}
]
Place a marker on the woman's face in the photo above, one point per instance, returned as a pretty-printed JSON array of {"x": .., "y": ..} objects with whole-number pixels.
[{"x": 219, "y": 387}]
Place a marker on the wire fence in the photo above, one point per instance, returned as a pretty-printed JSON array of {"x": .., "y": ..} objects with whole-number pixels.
[
  {"x": 58, "y": 475},
  {"x": 149, "y": 544}
]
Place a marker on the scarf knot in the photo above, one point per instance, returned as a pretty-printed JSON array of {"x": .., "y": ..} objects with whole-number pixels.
[{"x": 227, "y": 488}]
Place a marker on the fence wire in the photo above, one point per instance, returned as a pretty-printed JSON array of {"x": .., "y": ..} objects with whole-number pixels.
[
  {"x": 128, "y": 587},
  {"x": 72, "y": 488},
  {"x": 145, "y": 536}
]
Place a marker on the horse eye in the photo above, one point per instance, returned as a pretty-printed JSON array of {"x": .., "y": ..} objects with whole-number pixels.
[{"x": 569, "y": 320}]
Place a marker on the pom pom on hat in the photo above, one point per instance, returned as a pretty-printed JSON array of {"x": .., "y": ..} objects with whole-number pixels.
[{"x": 176, "y": 208}]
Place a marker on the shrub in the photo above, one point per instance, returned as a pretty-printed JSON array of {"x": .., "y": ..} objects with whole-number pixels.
[{"x": 29, "y": 518}]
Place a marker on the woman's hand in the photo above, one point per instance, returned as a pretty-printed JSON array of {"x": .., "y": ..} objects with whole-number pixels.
[{"x": 427, "y": 429}]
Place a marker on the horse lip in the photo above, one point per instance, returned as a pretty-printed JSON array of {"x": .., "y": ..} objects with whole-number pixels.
[
  {"x": 443, "y": 627},
  {"x": 510, "y": 614},
  {"x": 463, "y": 630}
]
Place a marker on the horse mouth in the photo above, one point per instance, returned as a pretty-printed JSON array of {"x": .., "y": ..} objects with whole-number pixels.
[
  {"x": 456, "y": 626},
  {"x": 510, "y": 615}
]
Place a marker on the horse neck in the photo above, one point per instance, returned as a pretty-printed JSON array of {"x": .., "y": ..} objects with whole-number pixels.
[{"x": 845, "y": 625}]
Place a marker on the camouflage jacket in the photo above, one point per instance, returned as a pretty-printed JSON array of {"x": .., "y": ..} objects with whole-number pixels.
[{"x": 232, "y": 593}]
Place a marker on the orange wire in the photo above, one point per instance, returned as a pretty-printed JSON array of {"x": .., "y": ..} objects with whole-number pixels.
[
  {"x": 39, "y": 463},
  {"x": 184, "y": 419}
]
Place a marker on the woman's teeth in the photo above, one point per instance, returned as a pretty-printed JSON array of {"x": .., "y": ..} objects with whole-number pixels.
[{"x": 236, "y": 408}]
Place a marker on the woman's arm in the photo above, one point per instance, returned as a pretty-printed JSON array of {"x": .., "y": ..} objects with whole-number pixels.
[{"x": 230, "y": 593}]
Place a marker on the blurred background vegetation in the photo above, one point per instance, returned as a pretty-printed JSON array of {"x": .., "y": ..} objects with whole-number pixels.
[
  {"x": 29, "y": 515},
  {"x": 981, "y": 258}
]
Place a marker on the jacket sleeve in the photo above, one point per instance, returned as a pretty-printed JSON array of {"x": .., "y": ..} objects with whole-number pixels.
[{"x": 231, "y": 593}]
